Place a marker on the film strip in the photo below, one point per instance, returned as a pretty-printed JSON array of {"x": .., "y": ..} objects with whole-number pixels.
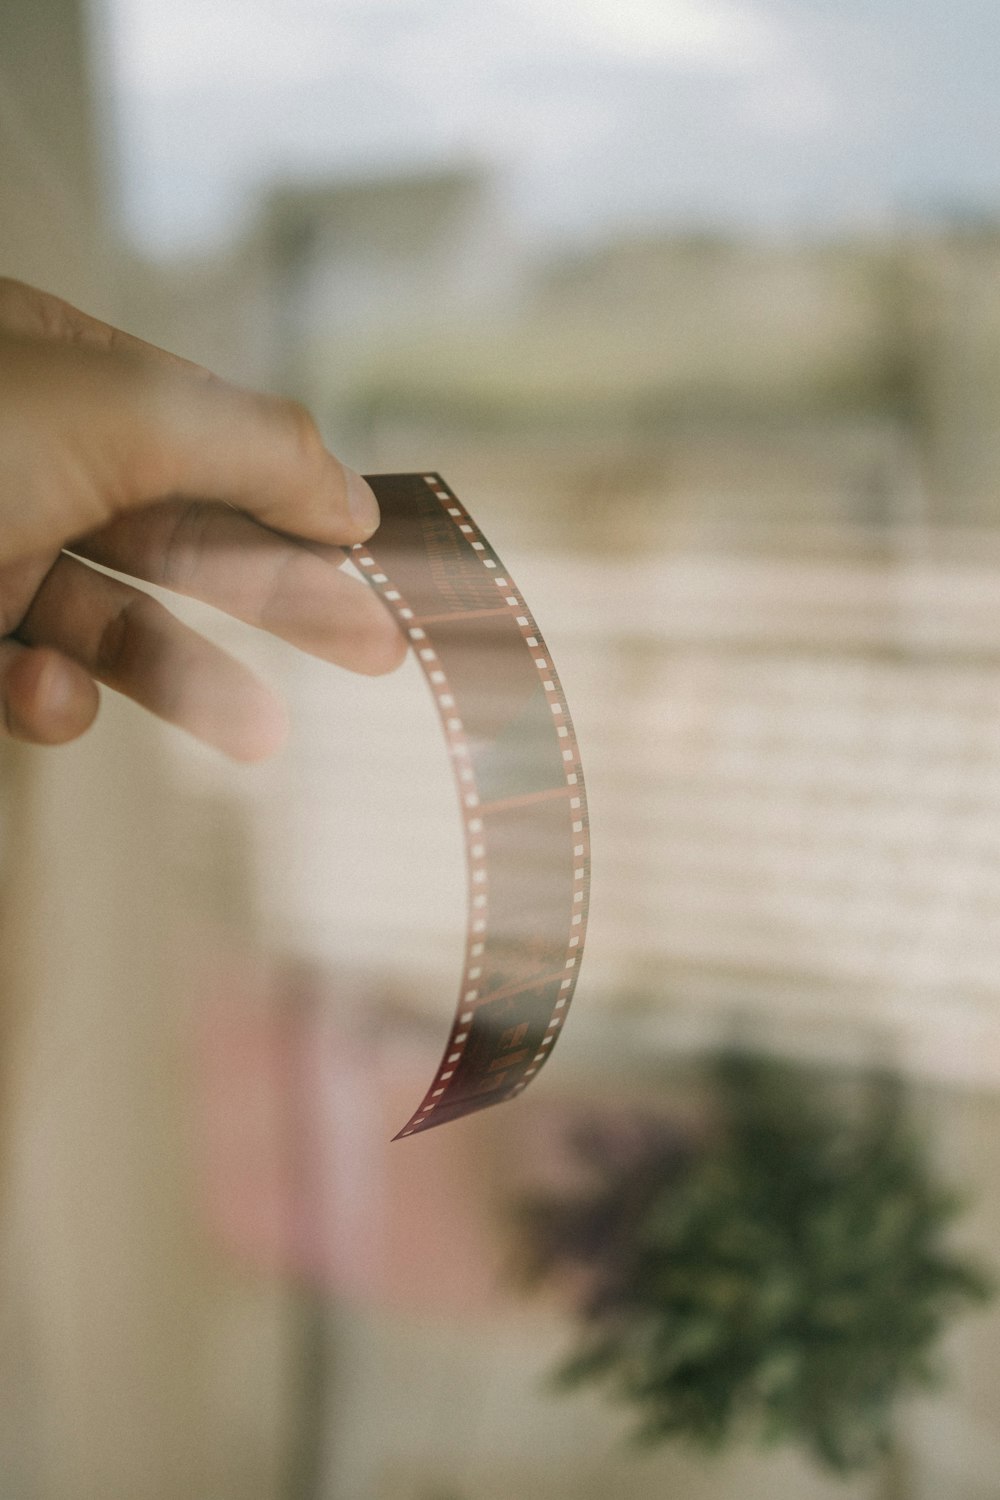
[{"x": 520, "y": 786}]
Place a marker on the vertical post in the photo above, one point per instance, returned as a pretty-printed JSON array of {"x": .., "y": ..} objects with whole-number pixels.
[{"x": 53, "y": 228}]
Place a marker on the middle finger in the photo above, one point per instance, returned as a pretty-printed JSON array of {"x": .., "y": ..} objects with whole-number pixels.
[{"x": 214, "y": 553}]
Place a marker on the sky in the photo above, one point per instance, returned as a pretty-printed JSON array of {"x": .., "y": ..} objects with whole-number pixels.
[{"x": 597, "y": 115}]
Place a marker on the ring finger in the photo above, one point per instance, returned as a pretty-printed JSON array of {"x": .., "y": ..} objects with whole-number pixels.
[
  {"x": 45, "y": 698},
  {"x": 128, "y": 641}
]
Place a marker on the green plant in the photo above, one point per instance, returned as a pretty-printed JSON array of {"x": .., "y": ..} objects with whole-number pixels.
[{"x": 785, "y": 1275}]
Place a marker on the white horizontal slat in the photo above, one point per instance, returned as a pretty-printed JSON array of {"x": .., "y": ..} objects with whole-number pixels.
[{"x": 793, "y": 767}]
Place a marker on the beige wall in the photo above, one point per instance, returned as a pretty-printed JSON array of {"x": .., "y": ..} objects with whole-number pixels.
[{"x": 132, "y": 1362}]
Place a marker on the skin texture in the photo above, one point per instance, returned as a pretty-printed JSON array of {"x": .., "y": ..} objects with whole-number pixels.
[{"x": 117, "y": 453}]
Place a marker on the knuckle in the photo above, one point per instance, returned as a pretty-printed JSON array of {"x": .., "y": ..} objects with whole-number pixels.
[
  {"x": 305, "y": 434},
  {"x": 184, "y": 543},
  {"x": 24, "y": 310},
  {"x": 122, "y": 636},
  {"x": 282, "y": 591},
  {"x": 147, "y": 462},
  {"x": 11, "y": 292},
  {"x": 51, "y": 316}
]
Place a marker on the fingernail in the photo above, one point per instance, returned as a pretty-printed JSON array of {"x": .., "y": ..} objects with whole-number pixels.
[{"x": 361, "y": 502}]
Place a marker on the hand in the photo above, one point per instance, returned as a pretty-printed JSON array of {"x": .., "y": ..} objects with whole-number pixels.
[{"x": 117, "y": 453}]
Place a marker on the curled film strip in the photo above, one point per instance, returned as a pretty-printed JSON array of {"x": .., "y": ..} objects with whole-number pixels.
[{"x": 520, "y": 785}]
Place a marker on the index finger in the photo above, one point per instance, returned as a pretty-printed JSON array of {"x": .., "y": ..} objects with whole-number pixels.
[
  {"x": 154, "y": 425},
  {"x": 263, "y": 454}
]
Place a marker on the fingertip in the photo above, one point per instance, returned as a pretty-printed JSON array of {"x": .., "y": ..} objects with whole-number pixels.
[
  {"x": 381, "y": 652},
  {"x": 368, "y": 637},
  {"x": 48, "y": 699},
  {"x": 263, "y": 732},
  {"x": 361, "y": 504}
]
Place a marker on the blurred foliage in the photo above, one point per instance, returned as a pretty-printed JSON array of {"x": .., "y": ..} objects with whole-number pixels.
[{"x": 782, "y": 1274}]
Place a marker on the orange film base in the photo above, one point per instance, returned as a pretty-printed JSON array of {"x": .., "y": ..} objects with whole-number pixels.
[{"x": 520, "y": 786}]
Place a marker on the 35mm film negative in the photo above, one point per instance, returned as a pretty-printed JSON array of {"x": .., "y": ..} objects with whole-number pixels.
[{"x": 520, "y": 786}]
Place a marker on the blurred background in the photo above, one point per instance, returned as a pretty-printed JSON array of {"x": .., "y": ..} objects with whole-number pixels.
[{"x": 696, "y": 304}]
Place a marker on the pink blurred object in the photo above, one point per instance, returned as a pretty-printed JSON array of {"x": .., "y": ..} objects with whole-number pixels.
[{"x": 296, "y": 1108}]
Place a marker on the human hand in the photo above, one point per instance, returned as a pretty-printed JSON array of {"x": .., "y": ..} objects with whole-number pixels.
[{"x": 117, "y": 453}]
